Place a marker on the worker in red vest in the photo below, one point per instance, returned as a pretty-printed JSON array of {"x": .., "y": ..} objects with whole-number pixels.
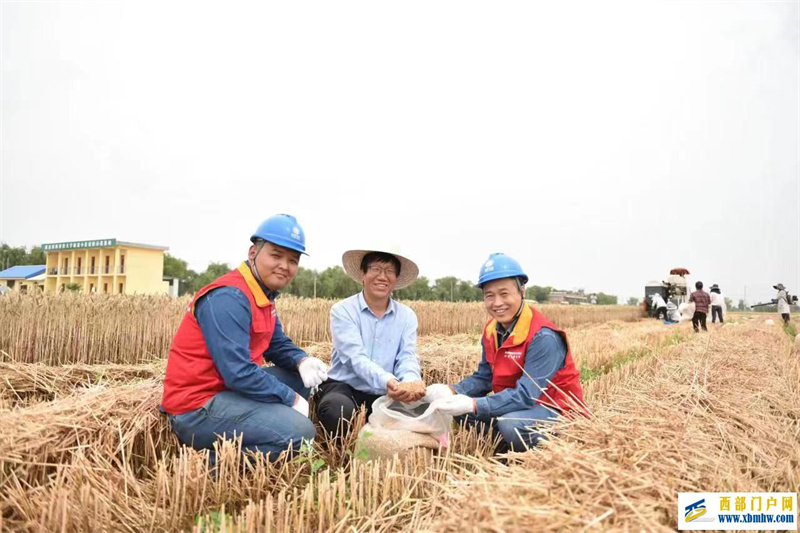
[
  {"x": 216, "y": 384},
  {"x": 526, "y": 364}
]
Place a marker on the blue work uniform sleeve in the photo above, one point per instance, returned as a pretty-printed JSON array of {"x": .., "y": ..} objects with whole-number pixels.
[
  {"x": 406, "y": 365},
  {"x": 224, "y": 317},
  {"x": 479, "y": 384},
  {"x": 351, "y": 351},
  {"x": 282, "y": 351},
  {"x": 544, "y": 357}
]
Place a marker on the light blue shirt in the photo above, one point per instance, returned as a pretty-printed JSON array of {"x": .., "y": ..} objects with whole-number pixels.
[{"x": 369, "y": 351}]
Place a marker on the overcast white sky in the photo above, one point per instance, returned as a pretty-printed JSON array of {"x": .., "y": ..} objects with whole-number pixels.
[{"x": 599, "y": 143}]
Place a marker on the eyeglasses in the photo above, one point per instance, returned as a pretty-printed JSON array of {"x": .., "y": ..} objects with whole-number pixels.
[{"x": 376, "y": 271}]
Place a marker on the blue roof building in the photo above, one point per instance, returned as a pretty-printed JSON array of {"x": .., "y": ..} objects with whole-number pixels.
[
  {"x": 22, "y": 272},
  {"x": 22, "y": 278}
]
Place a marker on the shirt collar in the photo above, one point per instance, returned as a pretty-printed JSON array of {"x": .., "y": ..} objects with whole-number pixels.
[
  {"x": 364, "y": 306},
  {"x": 261, "y": 292},
  {"x": 503, "y": 333}
]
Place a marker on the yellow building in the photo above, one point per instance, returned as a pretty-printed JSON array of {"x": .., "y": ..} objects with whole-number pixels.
[{"x": 106, "y": 266}]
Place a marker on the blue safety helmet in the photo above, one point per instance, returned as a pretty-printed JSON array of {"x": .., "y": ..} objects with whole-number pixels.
[
  {"x": 284, "y": 231},
  {"x": 500, "y": 266}
]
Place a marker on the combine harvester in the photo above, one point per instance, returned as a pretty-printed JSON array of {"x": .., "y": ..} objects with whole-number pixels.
[{"x": 674, "y": 291}]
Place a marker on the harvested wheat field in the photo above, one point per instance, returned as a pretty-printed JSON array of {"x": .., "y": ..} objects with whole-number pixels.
[
  {"x": 66, "y": 328},
  {"x": 84, "y": 448}
]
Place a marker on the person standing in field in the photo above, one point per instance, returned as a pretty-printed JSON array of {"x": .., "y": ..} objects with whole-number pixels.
[
  {"x": 701, "y": 301},
  {"x": 717, "y": 304},
  {"x": 526, "y": 363},
  {"x": 784, "y": 305},
  {"x": 216, "y": 384},
  {"x": 374, "y": 340}
]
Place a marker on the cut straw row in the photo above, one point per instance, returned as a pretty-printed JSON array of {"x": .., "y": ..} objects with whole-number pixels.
[{"x": 719, "y": 413}]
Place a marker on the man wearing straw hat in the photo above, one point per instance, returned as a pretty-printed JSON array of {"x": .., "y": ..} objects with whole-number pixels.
[
  {"x": 374, "y": 340},
  {"x": 526, "y": 363},
  {"x": 717, "y": 304},
  {"x": 784, "y": 305},
  {"x": 216, "y": 384}
]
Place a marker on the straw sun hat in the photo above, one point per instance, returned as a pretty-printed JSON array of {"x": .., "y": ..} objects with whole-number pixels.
[{"x": 351, "y": 260}]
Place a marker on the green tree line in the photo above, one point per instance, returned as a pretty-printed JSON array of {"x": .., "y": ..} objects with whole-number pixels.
[
  {"x": 12, "y": 256},
  {"x": 332, "y": 282}
]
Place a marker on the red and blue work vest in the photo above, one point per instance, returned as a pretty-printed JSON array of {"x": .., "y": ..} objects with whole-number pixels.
[
  {"x": 508, "y": 360},
  {"x": 192, "y": 378}
]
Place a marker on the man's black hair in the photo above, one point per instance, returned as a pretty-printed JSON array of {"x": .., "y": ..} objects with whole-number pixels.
[
  {"x": 379, "y": 257},
  {"x": 517, "y": 279},
  {"x": 698, "y": 285}
]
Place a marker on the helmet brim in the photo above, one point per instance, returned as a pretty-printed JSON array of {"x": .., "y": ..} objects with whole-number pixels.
[
  {"x": 522, "y": 277},
  {"x": 281, "y": 242}
]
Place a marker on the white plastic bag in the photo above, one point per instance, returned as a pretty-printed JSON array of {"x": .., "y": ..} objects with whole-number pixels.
[
  {"x": 376, "y": 443},
  {"x": 686, "y": 310},
  {"x": 673, "y": 315},
  {"x": 415, "y": 416},
  {"x": 397, "y": 428}
]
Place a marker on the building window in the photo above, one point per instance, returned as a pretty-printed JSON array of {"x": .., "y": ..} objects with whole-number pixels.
[
  {"x": 108, "y": 259},
  {"x": 105, "y": 288},
  {"x": 122, "y": 264},
  {"x": 78, "y": 269},
  {"x": 91, "y": 287},
  {"x": 120, "y": 288},
  {"x": 92, "y": 267}
]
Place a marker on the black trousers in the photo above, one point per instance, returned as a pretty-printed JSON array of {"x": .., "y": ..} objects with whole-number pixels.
[
  {"x": 661, "y": 313},
  {"x": 699, "y": 319},
  {"x": 336, "y": 400},
  {"x": 785, "y": 317},
  {"x": 716, "y": 311}
]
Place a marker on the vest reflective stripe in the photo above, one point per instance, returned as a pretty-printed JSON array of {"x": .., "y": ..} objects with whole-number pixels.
[
  {"x": 508, "y": 360},
  {"x": 192, "y": 378}
]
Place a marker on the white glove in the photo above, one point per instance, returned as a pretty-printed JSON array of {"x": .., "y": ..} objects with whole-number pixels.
[
  {"x": 313, "y": 371},
  {"x": 300, "y": 405},
  {"x": 436, "y": 391},
  {"x": 455, "y": 405}
]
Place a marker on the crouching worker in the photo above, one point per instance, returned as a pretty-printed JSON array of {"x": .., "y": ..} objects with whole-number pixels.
[
  {"x": 526, "y": 363},
  {"x": 216, "y": 384},
  {"x": 660, "y": 305},
  {"x": 374, "y": 340}
]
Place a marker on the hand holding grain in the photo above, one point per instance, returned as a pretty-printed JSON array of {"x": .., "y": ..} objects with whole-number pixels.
[{"x": 406, "y": 392}]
